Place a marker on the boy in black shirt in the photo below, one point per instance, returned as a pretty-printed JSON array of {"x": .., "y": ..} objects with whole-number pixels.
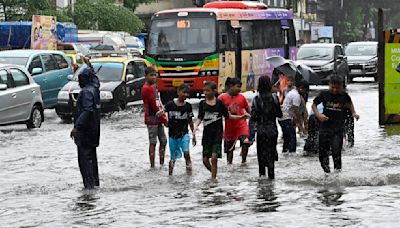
[
  {"x": 331, "y": 126},
  {"x": 211, "y": 111},
  {"x": 180, "y": 115}
]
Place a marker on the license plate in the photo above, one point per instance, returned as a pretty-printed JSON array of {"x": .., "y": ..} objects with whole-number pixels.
[
  {"x": 177, "y": 82},
  {"x": 356, "y": 71}
]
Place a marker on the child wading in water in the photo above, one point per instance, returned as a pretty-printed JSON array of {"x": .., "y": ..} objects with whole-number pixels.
[
  {"x": 331, "y": 127},
  {"x": 235, "y": 130},
  {"x": 180, "y": 116},
  {"x": 211, "y": 112},
  {"x": 265, "y": 110}
]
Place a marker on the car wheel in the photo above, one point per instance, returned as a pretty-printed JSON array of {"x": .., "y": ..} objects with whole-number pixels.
[{"x": 35, "y": 120}]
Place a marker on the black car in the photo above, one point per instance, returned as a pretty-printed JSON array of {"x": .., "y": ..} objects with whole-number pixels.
[
  {"x": 363, "y": 59},
  {"x": 325, "y": 59},
  {"x": 121, "y": 81}
]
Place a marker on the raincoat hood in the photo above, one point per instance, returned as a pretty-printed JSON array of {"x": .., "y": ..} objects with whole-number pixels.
[{"x": 88, "y": 77}]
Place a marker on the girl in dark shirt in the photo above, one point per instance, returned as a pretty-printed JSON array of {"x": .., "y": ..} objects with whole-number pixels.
[{"x": 265, "y": 110}]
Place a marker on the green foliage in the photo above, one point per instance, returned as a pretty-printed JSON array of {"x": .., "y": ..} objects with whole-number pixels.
[
  {"x": 86, "y": 14},
  {"x": 352, "y": 27},
  {"x": 133, "y": 4},
  {"x": 104, "y": 15}
]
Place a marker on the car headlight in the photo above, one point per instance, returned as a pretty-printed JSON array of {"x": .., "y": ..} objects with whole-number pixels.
[
  {"x": 372, "y": 62},
  {"x": 63, "y": 95},
  {"x": 327, "y": 67},
  {"x": 106, "y": 95}
]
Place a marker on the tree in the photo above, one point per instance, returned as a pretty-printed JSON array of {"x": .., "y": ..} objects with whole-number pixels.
[
  {"x": 133, "y": 4},
  {"x": 104, "y": 15}
]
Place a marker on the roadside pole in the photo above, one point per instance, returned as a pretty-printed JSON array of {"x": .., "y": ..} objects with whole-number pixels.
[{"x": 381, "y": 67}]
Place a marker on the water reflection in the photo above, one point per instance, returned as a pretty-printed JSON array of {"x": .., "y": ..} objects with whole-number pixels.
[
  {"x": 266, "y": 201},
  {"x": 331, "y": 196},
  {"x": 392, "y": 129},
  {"x": 86, "y": 202},
  {"x": 214, "y": 195}
]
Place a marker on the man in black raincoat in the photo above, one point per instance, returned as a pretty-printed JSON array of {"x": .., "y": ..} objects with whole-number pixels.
[{"x": 86, "y": 132}]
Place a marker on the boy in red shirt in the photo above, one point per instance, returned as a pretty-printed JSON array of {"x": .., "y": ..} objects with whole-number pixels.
[
  {"x": 236, "y": 104},
  {"x": 154, "y": 123}
]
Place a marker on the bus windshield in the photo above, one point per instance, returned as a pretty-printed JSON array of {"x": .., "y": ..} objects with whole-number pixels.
[{"x": 182, "y": 36}]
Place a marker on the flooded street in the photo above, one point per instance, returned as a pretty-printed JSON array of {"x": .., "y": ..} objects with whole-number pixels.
[{"x": 41, "y": 186}]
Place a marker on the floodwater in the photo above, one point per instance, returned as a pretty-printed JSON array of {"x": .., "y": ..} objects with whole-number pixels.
[{"x": 40, "y": 183}]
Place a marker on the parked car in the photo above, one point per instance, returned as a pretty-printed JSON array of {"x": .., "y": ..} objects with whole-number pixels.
[
  {"x": 20, "y": 97},
  {"x": 49, "y": 69},
  {"x": 121, "y": 81},
  {"x": 325, "y": 59},
  {"x": 363, "y": 60}
]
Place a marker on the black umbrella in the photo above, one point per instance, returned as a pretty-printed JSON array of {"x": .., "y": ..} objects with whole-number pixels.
[
  {"x": 283, "y": 65},
  {"x": 308, "y": 73}
]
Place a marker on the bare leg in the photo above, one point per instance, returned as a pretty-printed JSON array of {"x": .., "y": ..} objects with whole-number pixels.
[
  {"x": 152, "y": 151},
  {"x": 162, "y": 154},
  {"x": 206, "y": 162},
  {"x": 229, "y": 157},
  {"x": 171, "y": 167},
  {"x": 214, "y": 167},
  {"x": 245, "y": 151},
  {"x": 188, "y": 163}
]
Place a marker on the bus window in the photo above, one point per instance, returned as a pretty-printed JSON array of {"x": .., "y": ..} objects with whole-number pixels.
[
  {"x": 223, "y": 35},
  {"x": 292, "y": 35},
  {"x": 272, "y": 34},
  {"x": 226, "y": 36},
  {"x": 247, "y": 35}
]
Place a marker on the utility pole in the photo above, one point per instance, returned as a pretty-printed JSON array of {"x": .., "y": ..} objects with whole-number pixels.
[{"x": 302, "y": 20}]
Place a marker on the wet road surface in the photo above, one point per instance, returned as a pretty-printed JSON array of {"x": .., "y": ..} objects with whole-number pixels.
[{"x": 40, "y": 183}]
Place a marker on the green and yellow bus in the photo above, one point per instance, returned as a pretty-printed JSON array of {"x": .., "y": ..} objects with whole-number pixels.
[{"x": 220, "y": 40}]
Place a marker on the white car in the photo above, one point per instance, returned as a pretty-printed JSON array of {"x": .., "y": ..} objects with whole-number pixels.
[{"x": 20, "y": 97}]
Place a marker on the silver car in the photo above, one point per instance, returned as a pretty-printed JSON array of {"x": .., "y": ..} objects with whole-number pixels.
[{"x": 20, "y": 97}]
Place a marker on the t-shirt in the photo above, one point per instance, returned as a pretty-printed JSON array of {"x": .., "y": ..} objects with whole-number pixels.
[
  {"x": 236, "y": 106},
  {"x": 178, "y": 118},
  {"x": 334, "y": 108},
  {"x": 292, "y": 98},
  {"x": 212, "y": 115},
  {"x": 151, "y": 105}
]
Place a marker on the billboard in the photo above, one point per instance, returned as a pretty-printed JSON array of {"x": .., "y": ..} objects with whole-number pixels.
[
  {"x": 321, "y": 32},
  {"x": 44, "y": 33},
  {"x": 392, "y": 83}
]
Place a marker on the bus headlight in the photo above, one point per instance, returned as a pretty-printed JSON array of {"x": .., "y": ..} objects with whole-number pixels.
[
  {"x": 208, "y": 73},
  {"x": 106, "y": 95}
]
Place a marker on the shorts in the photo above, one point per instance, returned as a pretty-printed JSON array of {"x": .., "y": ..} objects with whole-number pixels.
[
  {"x": 157, "y": 131},
  {"x": 209, "y": 150},
  {"x": 177, "y": 146},
  {"x": 229, "y": 144}
]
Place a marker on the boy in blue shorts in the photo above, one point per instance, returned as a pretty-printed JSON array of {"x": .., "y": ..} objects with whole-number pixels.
[
  {"x": 211, "y": 113},
  {"x": 180, "y": 116}
]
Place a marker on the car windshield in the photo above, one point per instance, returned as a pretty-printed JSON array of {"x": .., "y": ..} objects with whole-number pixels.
[
  {"x": 14, "y": 60},
  {"x": 182, "y": 36},
  {"x": 361, "y": 50},
  {"x": 106, "y": 72},
  {"x": 315, "y": 53}
]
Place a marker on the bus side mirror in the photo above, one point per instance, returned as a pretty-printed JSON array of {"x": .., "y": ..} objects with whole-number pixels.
[{"x": 398, "y": 68}]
